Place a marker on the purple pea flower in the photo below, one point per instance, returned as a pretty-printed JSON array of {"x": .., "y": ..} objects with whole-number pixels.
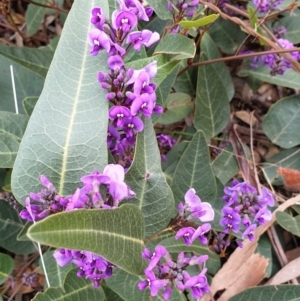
[
  {"x": 98, "y": 18},
  {"x": 98, "y": 40},
  {"x": 198, "y": 284},
  {"x": 187, "y": 234},
  {"x": 159, "y": 252},
  {"x": 140, "y": 38},
  {"x": 231, "y": 219},
  {"x": 249, "y": 232},
  {"x": 199, "y": 233},
  {"x": 125, "y": 20},
  {"x": 118, "y": 114},
  {"x": 115, "y": 62},
  {"x": 144, "y": 104},
  {"x": 133, "y": 123},
  {"x": 63, "y": 257}
]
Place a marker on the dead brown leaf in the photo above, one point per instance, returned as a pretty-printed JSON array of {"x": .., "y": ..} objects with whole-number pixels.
[
  {"x": 246, "y": 117},
  {"x": 287, "y": 273}
]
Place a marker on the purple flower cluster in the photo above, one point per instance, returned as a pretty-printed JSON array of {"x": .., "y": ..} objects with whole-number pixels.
[
  {"x": 165, "y": 143},
  {"x": 194, "y": 210},
  {"x": 91, "y": 266},
  {"x": 265, "y": 6},
  {"x": 130, "y": 92},
  {"x": 182, "y": 9},
  {"x": 47, "y": 201},
  {"x": 163, "y": 274},
  {"x": 279, "y": 32},
  {"x": 277, "y": 63},
  {"x": 100, "y": 191},
  {"x": 244, "y": 210}
]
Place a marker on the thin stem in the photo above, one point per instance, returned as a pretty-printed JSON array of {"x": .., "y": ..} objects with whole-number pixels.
[{"x": 157, "y": 234}]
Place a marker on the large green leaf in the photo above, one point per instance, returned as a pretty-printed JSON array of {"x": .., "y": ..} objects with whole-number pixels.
[
  {"x": 55, "y": 273},
  {"x": 36, "y": 60},
  {"x": 282, "y": 122},
  {"x": 6, "y": 267},
  {"x": 270, "y": 293},
  {"x": 290, "y": 79},
  {"x": 114, "y": 234},
  {"x": 34, "y": 16},
  {"x": 10, "y": 226},
  {"x": 29, "y": 104},
  {"x": 177, "y": 45},
  {"x": 289, "y": 158},
  {"x": 12, "y": 128},
  {"x": 221, "y": 71},
  {"x": 145, "y": 177},
  {"x": 74, "y": 289},
  {"x": 227, "y": 35},
  {"x": 194, "y": 171},
  {"x": 178, "y": 106},
  {"x": 66, "y": 134},
  {"x": 212, "y": 105},
  {"x": 288, "y": 222}
]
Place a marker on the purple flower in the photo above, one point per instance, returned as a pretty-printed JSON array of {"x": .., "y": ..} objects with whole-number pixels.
[
  {"x": 118, "y": 113},
  {"x": 98, "y": 18},
  {"x": 151, "y": 69},
  {"x": 266, "y": 198},
  {"x": 160, "y": 251},
  {"x": 115, "y": 62},
  {"x": 199, "y": 233},
  {"x": 231, "y": 219},
  {"x": 187, "y": 234},
  {"x": 144, "y": 104},
  {"x": 133, "y": 123},
  {"x": 198, "y": 285},
  {"x": 125, "y": 20},
  {"x": 263, "y": 215},
  {"x": 140, "y": 38},
  {"x": 249, "y": 232},
  {"x": 98, "y": 40},
  {"x": 63, "y": 256},
  {"x": 152, "y": 282}
]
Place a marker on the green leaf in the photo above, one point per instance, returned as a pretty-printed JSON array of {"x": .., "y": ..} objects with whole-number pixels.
[
  {"x": 194, "y": 171},
  {"x": 270, "y": 293},
  {"x": 75, "y": 289},
  {"x": 114, "y": 234},
  {"x": 10, "y": 226},
  {"x": 225, "y": 166},
  {"x": 212, "y": 105},
  {"x": 290, "y": 79},
  {"x": 55, "y": 273},
  {"x": 27, "y": 84},
  {"x": 161, "y": 9},
  {"x": 6, "y": 267},
  {"x": 289, "y": 158},
  {"x": 255, "y": 23},
  {"x": 177, "y": 246},
  {"x": 227, "y": 35},
  {"x": 200, "y": 22},
  {"x": 110, "y": 295},
  {"x": 288, "y": 222},
  {"x": 34, "y": 16},
  {"x": 12, "y": 128},
  {"x": 281, "y": 124},
  {"x": 29, "y": 104},
  {"x": 66, "y": 134},
  {"x": 178, "y": 106},
  {"x": 292, "y": 24},
  {"x": 209, "y": 48},
  {"x": 177, "y": 45},
  {"x": 36, "y": 60},
  {"x": 145, "y": 177}
]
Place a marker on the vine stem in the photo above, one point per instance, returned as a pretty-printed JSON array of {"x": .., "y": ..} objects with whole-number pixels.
[{"x": 157, "y": 234}]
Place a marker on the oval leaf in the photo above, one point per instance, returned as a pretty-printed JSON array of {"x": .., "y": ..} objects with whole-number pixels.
[
  {"x": 200, "y": 22},
  {"x": 145, "y": 177},
  {"x": 281, "y": 124},
  {"x": 6, "y": 267},
  {"x": 288, "y": 222},
  {"x": 114, "y": 234},
  {"x": 66, "y": 135}
]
